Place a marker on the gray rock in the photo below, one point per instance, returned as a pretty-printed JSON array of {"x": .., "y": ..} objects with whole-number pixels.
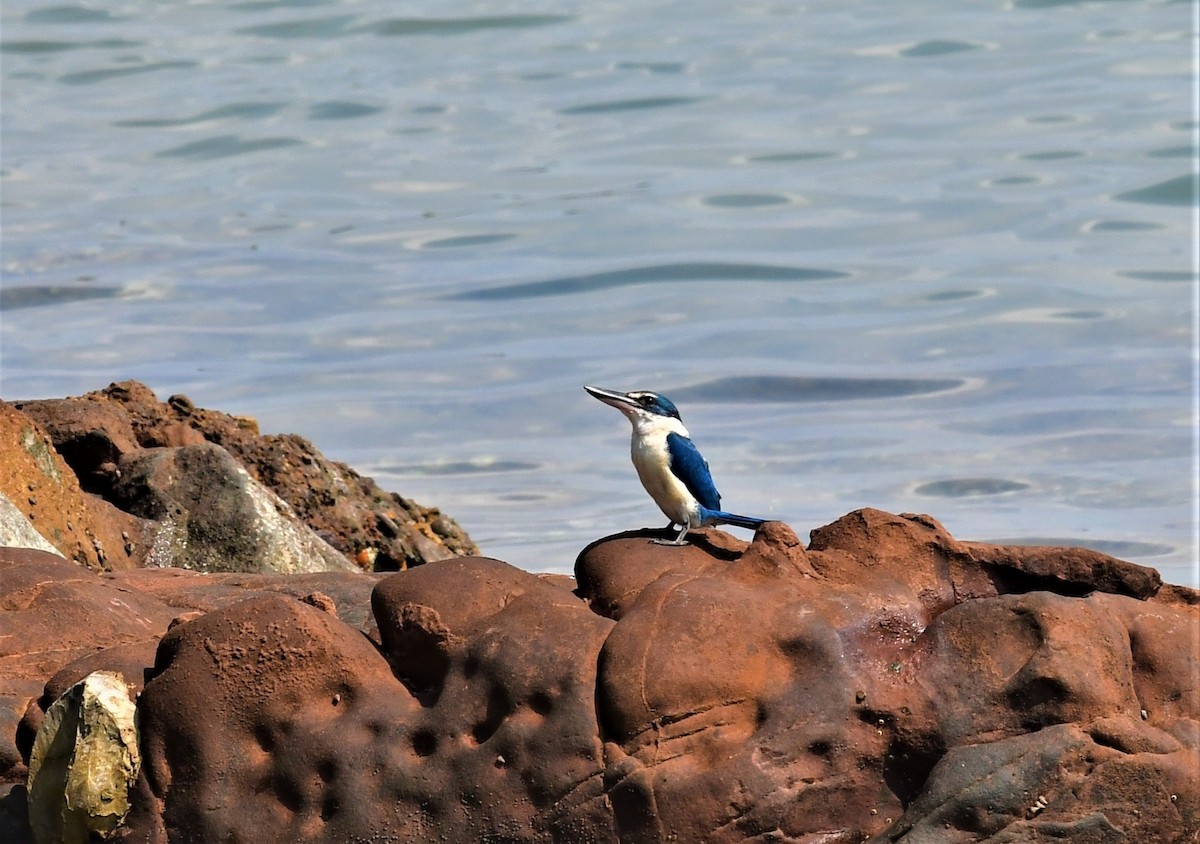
[
  {"x": 212, "y": 516},
  {"x": 16, "y": 531}
]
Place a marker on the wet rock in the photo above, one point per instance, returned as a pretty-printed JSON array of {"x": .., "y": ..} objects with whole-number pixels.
[
  {"x": 100, "y": 433},
  {"x": 84, "y": 763}
]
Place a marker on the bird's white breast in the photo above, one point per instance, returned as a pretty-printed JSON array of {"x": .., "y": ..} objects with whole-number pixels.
[{"x": 648, "y": 448}]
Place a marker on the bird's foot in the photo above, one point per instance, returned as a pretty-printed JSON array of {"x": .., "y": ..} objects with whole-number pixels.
[{"x": 681, "y": 539}]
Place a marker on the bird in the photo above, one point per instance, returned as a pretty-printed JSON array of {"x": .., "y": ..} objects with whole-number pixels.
[{"x": 669, "y": 465}]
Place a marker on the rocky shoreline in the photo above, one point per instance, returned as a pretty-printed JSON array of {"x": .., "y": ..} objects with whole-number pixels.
[
  {"x": 315, "y": 659},
  {"x": 116, "y": 479}
]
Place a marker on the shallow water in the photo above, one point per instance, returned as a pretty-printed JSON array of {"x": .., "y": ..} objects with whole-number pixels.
[{"x": 904, "y": 256}]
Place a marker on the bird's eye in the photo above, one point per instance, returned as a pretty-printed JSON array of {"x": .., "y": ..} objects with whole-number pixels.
[{"x": 646, "y": 401}]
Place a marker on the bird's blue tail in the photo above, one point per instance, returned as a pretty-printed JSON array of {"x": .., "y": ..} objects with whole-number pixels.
[{"x": 720, "y": 517}]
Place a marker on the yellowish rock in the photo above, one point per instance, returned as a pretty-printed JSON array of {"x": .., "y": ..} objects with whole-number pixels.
[{"x": 84, "y": 762}]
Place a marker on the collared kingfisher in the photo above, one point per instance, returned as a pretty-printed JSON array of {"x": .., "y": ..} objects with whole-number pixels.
[{"x": 669, "y": 464}]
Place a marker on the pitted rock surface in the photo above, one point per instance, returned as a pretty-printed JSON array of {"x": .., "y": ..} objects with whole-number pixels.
[
  {"x": 887, "y": 683},
  {"x": 473, "y": 720}
]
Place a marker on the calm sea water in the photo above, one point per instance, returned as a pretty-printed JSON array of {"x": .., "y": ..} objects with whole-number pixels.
[{"x": 918, "y": 256}]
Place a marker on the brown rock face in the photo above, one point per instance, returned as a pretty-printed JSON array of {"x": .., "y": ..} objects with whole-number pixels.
[
  {"x": 42, "y": 486},
  {"x": 888, "y": 684},
  {"x": 129, "y": 449},
  {"x": 59, "y": 622},
  {"x": 885, "y": 684},
  {"x": 474, "y": 717},
  {"x": 52, "y": 613}
]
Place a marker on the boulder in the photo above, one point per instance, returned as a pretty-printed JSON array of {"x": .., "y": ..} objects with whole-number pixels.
[
  {"x": 473, "y": 721},
  {"x": 886, "y": 683},
  {"x": 97, "y": 432},
  {"x": 210, "y": 515},
  {"x": 84, "y": 763},
  {"x": 59, "y": 622}
]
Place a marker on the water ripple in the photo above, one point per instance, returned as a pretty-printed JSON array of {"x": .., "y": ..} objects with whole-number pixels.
[
  {"x": 650, "y": 274},
  {"x": 635, "y": 104},
  {"x": 69, "y": 14},
  {"x": 341, "y": 110},
  {"x": 466, "y": 240},
  {"x": 1178, "y": 191},
  {"x": 970, "y": 487},
  {"x": 745, "y": 200},
  {"x": 223, "y": 146},
  {"x": 786, "y": 388},
  {"x": 34, "y": 296},
  {"x": 36, "y": 46},
  {"x": 458, "y": 26},
  {"x": 791, "y": 157},
  {"x": 1122, "y": 226},
  {"x": 267, "y": 5},
  {"x": 942, "y": 47},
  {"x": 90, "y": 77},
  {"x": 328, "y": 27},
  {"x": 1159, "y": 275},
  {"x": 653, "y": 67},
  {"x": 238, "y": 110},
  {"x": 1173, "y": 152},
  {"x": 1047, "y": 4}
]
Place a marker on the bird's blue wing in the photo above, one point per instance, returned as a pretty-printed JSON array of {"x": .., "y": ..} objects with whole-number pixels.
[{"x": 692, "y": 470}]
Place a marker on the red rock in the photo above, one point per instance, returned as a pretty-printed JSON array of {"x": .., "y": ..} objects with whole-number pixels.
[
  {"x": 268, "y": 714},
  {"x": 53, "y": 612},
  {"x": 320, "y": 733},
  {"x": 186, "y": 591},
  {"x": 888, "y": 683},
  {"x": 82, "y": 526}
]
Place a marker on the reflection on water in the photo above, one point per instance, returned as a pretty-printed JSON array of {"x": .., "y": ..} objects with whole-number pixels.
[
  {"x": 94, "y": 77},
  {"x": 939, "y": 47},
  {"x": 881, "y": 255},
  {"x": 745, "y": 200}
]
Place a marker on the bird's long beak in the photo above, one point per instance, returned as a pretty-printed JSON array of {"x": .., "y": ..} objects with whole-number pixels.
[{"x": 620, "y": 401}]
